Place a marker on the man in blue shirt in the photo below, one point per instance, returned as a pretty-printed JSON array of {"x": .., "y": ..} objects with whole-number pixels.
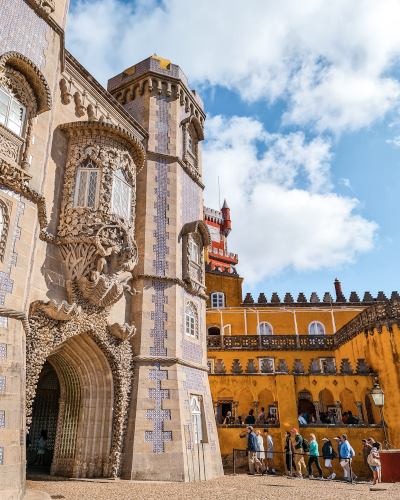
[
  {"x": 346, "y": 453},
  {"x": 252, "y": 445}
]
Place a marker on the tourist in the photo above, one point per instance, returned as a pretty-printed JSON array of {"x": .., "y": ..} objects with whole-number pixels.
[
  {"x": 324, "y": 419},
  {"x": 41, "y": 447},
  {"x": 252, "y": 445},
  {"x": 346, "y": 453},
  {"x": 374, "y": 462},
  {"x": 243, "y": 418},
  {"x": 250, "y": 418},
  {"x": 228, "y": 419},
  {"x": 291, "y": 467},
  {"x": 270, "y": 455},
  {"x": 350, "y": 419},
  {"x": 270, "y": 419},
  {"x": 339, "y": 444},
  {"x": 299, "y": 450},
  {"x": 332, "y": 417},
  {"x": 305, "y": 416},
  {"x": 260, "y": 450},
  {"x": 366, "y": 450},
  {"x": 314, "y": 454},
  {"x": 328, "y": 454},
  {"x": 301, "y": 419},
  {"x": 262, "y": 417},
  {"x": 344, "y": 418}
]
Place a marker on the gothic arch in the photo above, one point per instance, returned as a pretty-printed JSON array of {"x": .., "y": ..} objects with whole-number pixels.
[{"x": 33, "y": 75}]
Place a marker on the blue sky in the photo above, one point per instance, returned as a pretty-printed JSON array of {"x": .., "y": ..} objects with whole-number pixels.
[{"x": 302, "y": 100}]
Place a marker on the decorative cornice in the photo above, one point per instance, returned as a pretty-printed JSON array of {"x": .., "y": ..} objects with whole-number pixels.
[
  {"x": 113, "y": 130},
  {"x": 177, "y": 281},
  {"x": 181, "y": 163},
  {"x": 43, "y": 7},
  {"x": 14, "y": 314},
  {"x": 168, "y": 359}
]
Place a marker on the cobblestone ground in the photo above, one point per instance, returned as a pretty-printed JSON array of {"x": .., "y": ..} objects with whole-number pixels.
[{"x": 227, "y": 487}]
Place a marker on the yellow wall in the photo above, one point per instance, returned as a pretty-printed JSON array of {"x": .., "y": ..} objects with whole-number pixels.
[{"x": 230, "y": 285}]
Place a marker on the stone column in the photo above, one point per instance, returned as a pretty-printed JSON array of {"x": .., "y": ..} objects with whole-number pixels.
[
  {"x": 215, "y": 404},
  {"x": 277, "y": 409},
  {"x": 360, "y": 412},
  {"x": 235, "y": 411},
  {"x": 316, "y": 406},
  {"x": 256, "y": 403},
  {"x": 338, "y": 411}
]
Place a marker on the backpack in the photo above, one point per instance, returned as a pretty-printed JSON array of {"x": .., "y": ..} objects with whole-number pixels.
[
  {"x": 306, "y": 445},
  {"x": 372, "y": 460}
]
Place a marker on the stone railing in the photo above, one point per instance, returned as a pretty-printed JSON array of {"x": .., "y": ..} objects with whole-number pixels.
[
  {"x": 255, "y": 426},
  {"x": 375, "y": 317},
  {"x": 271, "y": 342},
  {"x": 10, "y": 144}
]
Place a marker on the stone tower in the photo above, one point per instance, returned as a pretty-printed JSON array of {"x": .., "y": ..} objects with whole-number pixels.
[{"x": 171, "y": 433}]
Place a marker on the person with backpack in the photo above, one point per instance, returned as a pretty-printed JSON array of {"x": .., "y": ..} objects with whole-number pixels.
[
  {"x": 302, "y": 446},
  {"x": 346, "y": 453},
  {"x": 314, "y": 454},
  {"x": 328, "y": 454},
  {"x": 374, "y": 462}
]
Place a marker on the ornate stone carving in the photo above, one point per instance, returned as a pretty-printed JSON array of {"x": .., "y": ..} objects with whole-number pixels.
[
  {"x": 315, "y": 367},
  {"x": 79, "y": 106},
  {"x": 236, "y": 367},
  {"x": 282, "y": 366},
  {"x": 44, "y": 7},
  {"x": 251, "y": 366},
  {"x": 346, "y": 367},
  {"x": 219, "y": 367},
  {"x": 330, "y": 366},
  {"x": 362, "y": 366},
  {"x": 267, "y": 366},
  {"x": 123, "y": 332},
  {"x": 10, "y": 144},
  {"x": 65, "y": 88},
  {"x": 298, "y": 368},
  {"x": 5, "y": 207},
  {"x": 54, "y": 310}
]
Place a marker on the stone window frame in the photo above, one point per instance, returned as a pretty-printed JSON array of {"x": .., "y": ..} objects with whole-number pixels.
[
  {"x": 201, "y": 414},
  {"x": 322, "y": 360},
  {"x": 85, "y": 168},
  {"x": 265, "y": 323},
  {"x": 123, "y": 180},
  {"x": 211, "y": 365},
  {"x": 192, "y": 304},
  {"x": 260, "y": 362},
  {"x": 12, "y": 97},
  {"x": 6, "y": 208},
  {"x": 316, "y": 322}
]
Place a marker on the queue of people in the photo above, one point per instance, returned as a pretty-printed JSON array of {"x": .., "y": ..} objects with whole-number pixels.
[
  {"x": 328, "y": 417},
  {"x": 298, "y": 449}
]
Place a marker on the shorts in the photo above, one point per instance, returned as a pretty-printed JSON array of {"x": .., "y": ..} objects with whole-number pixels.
[
  {"x": 375, "y": 467},
  {"x": 328, "y": 462},
  {"x": 270, "y": 455}
]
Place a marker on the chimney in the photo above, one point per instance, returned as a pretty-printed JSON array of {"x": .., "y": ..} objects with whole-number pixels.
[{"x": 338, "y": 290}]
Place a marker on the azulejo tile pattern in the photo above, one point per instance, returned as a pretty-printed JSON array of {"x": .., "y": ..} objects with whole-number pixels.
[
  {"x": 1, "y": 455},
  {"x": 2, "y": 419},
  {"x": 2, "y": 384},
  {"x": 3, "y": 351},
  {"x": 159, "y": 333},
  {"x": 6, "y": 284},
  {"x": 22, "y": 30},
  {"x": 158, "y": 436},
  {"x": 162, "y": 124}
]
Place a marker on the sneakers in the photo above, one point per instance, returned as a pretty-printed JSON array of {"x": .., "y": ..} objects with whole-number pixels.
[
  {"x": 298, "y": 477},
  {"x": 320, "y": 478},
  {"x": 250, "y": 474},
  {"x": 265, "y": 471},
  {"x": 310, "y": 476},
  {"x": 332, "y": 476}
]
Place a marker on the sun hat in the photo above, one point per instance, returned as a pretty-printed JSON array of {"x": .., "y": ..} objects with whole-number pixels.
[
  {"x": 337, "y": 437},
  {"x": 294, "y": 430},
  {"x": 325, "y": 439}
]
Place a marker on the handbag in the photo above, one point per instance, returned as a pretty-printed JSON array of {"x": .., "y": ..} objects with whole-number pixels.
[{"x": 375, "y": 462}]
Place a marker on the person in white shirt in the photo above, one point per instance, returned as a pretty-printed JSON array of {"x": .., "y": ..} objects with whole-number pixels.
[
  {"x": 260, "y": 449},
  {"x": 301, "y": 419},
  {"x": 270, "y": 455}
]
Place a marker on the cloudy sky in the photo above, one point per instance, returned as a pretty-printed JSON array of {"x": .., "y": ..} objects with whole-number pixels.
[{"x": 303, "y": 126}]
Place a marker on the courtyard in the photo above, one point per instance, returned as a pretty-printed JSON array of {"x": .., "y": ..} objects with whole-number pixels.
[{"x": 232, "y": 487}]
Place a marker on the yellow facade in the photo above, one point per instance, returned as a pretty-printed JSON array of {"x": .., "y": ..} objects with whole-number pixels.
[{"x": 291, "y": 341}]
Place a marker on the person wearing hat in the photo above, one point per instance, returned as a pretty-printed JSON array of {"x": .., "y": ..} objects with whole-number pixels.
[
  {"x": 299, "y": 451},
  {"x": 253, "y": 445},
  {"x": 328, "y": 453},
  {"x": 228, "y": 419},
  {"x": 339, "y": 444}
]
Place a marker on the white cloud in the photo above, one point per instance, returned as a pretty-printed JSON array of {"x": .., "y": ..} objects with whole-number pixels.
[
  {"x": 330, "y": 61},
  {"x": 395, "y": 141},
  {"x": 284, "y": 214},
  {"x": 346, "y": 183}
]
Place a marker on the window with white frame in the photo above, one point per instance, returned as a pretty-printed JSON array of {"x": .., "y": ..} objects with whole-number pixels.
[
  {"x": 191, "y": 321},
  {"x": 121, "y": 199},
  {"x": 265, "y": 328},
  {"x": 87, "y": 185},
  {"x": 12, "y": 112},
  {"x": 217, "y": 299},
  {"x": 210, "y": 365},
  {"x": 266, "y": 365},
  {"x": 196, "y": 420},
  {"x": 316, "y": 328},
  {"x": 190, "y": 143},
  {"x": 194, "y": 251},
  {"x": 323, "y": 363}
]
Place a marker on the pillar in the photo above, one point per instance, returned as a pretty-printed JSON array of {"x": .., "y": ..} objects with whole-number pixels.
[
  {"x": 215, "y": 405},
  {"x": 316, "y": 406},
  {"x": 277, "y": 411},
  {"x": 235, "y": 411},
  {"x": 256, "y": 403},
  {"x": 338, "y": 405},
  {"x": 360, "y": 412}
]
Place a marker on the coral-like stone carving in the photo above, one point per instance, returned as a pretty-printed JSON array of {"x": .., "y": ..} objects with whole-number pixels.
[
  {"x": 123, "y": 332},
  {"x": 362, "y": 366},
  {"x": 251, "y": 366},
  {"x": 298, "y": 367},
  {"x": 315, "y": 367},
  {"x": 346, "y": 367},
  {"x": 330, "y": 366},
  {"x": 282, "y": 366},
  {"x": 236, "y": 367},
  {"x": 66, "y": 95},
  {"x": 267, "y": 366},
  {"x": 220, "y": 367},
  {"x": 196, "y": 237},
  {"x": 54, "y": 310}
]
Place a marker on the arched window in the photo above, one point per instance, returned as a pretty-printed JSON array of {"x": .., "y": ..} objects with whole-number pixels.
[
  {"x": 217, "y": 299},
  {"x": 214, "y": 330},
  {"x": 196, "y": 419},
  {"x": 194, "y": 251},
  {"x": 121, "y": 200},
  {"x": 12, "y": 112},
  {"x": 265, "y": 328},
  {"x": 191, "y": 321},
  {"x": 190, "y": 143},
  {"x": 87, "y": 185},
  {"x": 316, "y": 328}
]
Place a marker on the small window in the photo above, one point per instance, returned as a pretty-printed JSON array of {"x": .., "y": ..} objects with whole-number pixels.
[
  {"x": 265, "y": 328},
  {"x": 210, "y": 365},
  {"x": 196, "y": 419},
  {"x": 323, "y": 363},
  {"x": 12, "y": 112},
  {"x": 87, "y": 186},
  {"x": 214, "y": 330},
  {"x": 190, "y": 143},
  {"x": 266, "y": 365},
  {"x": 194, "y": 252},
  {"x": 217, "y": 299},
  {"x": 191, "y": 321},
  {"x": 121, "y": 200},
  {"x": 316, "y": 328}
]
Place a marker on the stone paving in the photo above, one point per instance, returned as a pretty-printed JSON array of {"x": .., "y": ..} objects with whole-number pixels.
[{"x": 240, "y": 487}]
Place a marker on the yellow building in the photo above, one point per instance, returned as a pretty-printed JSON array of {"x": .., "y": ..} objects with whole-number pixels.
[{"x": 290, "y": 356}]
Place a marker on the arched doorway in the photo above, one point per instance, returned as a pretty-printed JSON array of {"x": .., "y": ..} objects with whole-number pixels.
[
  {"x": 44, "y": 415},
  {"x": 369, "y": 410},
  {"x": 305, "y": 405}
]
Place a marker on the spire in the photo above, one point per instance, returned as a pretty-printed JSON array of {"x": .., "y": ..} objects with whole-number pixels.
[{"x": 225, "y": 205}]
